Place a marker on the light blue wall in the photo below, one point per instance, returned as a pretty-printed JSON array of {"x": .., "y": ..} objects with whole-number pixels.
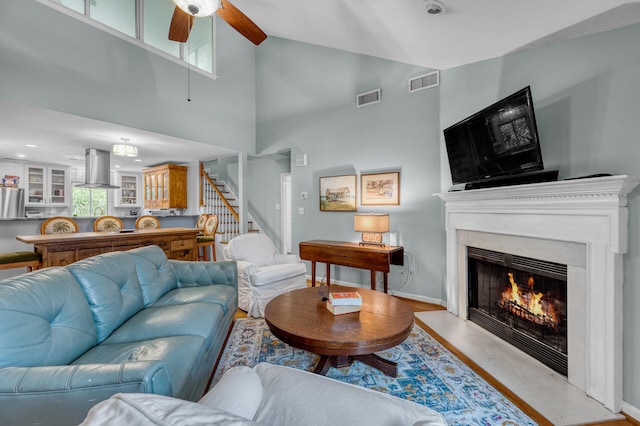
[
  {"x": 50, "y": 60},
  {"x": 262, "y": 188},
  {"x": 586, "y": 94},
  {"x": 306, "y": 103}
]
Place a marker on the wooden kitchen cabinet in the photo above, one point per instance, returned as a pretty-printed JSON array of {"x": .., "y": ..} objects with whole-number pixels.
[{"x": 165, "y": 187}]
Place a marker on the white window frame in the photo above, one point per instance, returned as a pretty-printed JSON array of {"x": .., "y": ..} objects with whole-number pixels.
[{"x": 138, "y": 41}]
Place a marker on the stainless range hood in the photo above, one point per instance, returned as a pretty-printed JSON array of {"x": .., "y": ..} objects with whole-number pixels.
[{"x": 97, "y": 171}]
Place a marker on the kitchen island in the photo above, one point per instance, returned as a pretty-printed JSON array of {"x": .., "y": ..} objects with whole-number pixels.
[{"x": 63, "y": 249}]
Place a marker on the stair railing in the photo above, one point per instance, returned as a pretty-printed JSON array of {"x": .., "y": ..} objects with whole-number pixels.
[{"x": 215, "y": 202}]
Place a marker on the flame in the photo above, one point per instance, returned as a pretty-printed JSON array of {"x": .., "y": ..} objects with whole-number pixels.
[
  {"x": 514, "y": 292},
  {"x": 529, "y": 304}
]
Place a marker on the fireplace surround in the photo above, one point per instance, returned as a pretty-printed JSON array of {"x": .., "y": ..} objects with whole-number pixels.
[{"x": 579, "y": 223}]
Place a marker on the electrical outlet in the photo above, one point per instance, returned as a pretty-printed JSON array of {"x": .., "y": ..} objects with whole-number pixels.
[{"x": 300, "y": 210}]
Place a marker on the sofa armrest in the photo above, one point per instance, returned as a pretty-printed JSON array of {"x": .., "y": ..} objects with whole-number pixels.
[
  {"x": 286, "y": 258},
  {"x": 64, "y": 394},
  {"x": 148, "y": 376},
  {"x": 195, "y": 274},
  {"x": 245, "y": 270}
]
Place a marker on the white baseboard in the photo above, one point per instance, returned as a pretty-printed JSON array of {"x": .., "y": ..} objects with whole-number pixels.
[
  {"x": 630, "y": 410},
  {"x": 394, "y": 293},
  {"x": 412, "y": 296}
]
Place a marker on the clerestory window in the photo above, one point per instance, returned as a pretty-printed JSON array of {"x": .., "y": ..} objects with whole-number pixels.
[{"x": 147, "y": 22}]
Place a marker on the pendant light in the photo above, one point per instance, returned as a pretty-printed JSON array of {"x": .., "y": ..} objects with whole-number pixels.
[{"x": 125, "y": 150}]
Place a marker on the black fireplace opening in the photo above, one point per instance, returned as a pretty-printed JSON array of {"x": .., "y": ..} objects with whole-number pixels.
[{"x": 521, "y": 300}]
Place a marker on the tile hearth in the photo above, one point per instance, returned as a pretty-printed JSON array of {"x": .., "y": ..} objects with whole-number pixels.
[{"x": 546, "y": 391}]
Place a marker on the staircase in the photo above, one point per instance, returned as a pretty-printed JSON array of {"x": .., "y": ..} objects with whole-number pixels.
[{"x": 216, "y": 198}]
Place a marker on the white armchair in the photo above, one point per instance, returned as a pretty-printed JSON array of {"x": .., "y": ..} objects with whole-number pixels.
[
  {"x": 263, "y": 273},
  {"x": 266, "y": 394}
]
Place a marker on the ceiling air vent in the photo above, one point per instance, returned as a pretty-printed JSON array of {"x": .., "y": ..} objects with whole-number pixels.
[
  {"x": 425, "y": 81},
  {"x": 368, "y": 98}
]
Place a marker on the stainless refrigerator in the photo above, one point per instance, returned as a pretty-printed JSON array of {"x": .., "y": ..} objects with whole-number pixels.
[{"x": 11, "y": 202}]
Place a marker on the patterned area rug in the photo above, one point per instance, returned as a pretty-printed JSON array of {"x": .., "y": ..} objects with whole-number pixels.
[{"x": 427, "y": 374}]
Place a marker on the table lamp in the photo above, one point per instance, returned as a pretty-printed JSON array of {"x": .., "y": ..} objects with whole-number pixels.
[{"x": 372, "y": 225}]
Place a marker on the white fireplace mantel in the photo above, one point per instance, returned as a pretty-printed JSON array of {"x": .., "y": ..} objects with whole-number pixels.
[{"x": 582, "y": 223}]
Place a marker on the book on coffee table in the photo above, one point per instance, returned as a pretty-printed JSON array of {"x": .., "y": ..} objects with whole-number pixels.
[
  {"x": 348, "y": 298},
  {"x": 342, "y": 309}
]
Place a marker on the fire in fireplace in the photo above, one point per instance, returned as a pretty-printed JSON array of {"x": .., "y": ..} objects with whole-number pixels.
[
  {"x": 521, "y": 300},
  {"x": 528, "y": 304}
]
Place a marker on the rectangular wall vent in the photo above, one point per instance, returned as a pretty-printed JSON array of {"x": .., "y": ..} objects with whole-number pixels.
[
  {"x": 368, "y": 98},
  {"x": 425, "y": 81}
]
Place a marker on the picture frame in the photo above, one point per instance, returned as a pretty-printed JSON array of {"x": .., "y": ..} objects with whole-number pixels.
[
  {"x": 380, "y": 189},
  {"x": 338, "y": 193}
]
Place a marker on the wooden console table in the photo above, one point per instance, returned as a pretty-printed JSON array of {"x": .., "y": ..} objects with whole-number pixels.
[
  {"x": 351, "y": 254},
  {"x": 63, "y": 249}
]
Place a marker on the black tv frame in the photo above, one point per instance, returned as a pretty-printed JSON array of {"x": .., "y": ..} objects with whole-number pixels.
[{"x": 507, "y": 126}]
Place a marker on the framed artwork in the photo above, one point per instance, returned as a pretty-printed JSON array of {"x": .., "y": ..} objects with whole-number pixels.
[
  {"x": 338, "y": 193},
  {"x": 380, "y": 189}
]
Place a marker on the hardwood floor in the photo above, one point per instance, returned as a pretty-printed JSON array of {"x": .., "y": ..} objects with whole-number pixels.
[{"x": 526, "y": 408}]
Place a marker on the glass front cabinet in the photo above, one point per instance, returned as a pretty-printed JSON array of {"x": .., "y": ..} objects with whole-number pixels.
[
  {"x": 165, "y": 187},
  {"x": 46, "y": 185},
  {"x": 129, "y": 193}
]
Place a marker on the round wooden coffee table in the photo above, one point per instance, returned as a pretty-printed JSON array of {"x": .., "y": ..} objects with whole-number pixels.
[{"x": 300, "y": 318}]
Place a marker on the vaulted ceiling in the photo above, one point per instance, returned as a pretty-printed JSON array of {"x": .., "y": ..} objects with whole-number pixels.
[{"x": 469, "y": 31}]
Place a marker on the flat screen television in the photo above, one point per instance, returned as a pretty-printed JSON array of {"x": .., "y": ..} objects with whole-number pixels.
[{"x": 499, "y": 141}]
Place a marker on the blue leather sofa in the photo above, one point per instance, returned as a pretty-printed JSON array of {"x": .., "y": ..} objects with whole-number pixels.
[{"x": 130, "y": 321}]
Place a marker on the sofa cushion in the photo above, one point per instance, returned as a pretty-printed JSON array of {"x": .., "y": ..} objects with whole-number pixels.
[
  {"x": 155, "y": 410},
  {"x": 239, "y": 392},
  {"x": 195, "y": 319},
  {"x": 44, "y": 319},
  {"x": 221, "y": 295},
  {"x": 272, "y": 273},
  {"x": 155, "y": 273},
  {"x": 180, "y": 354},
  {"x": 111, "y": 287},
  {"x": 196, "y": 274}
]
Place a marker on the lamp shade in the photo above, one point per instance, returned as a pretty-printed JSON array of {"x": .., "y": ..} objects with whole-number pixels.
[
  {"x": 371, "y": 222},
  {"x": 199, "y": 8}
]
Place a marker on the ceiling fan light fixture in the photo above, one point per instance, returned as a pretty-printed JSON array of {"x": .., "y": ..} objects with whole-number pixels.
[{"x": 198, "y": 8}]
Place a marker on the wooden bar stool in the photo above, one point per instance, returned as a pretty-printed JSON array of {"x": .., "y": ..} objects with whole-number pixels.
[
  {"x": 147, "y": 222},
  {"x": 20, "y": 259},
  {"x": 107, "y": 224},
  {"x": 208, "y": 239},
  {"x": 202, "y": 219},
  {"x": 59, "y": 225}
]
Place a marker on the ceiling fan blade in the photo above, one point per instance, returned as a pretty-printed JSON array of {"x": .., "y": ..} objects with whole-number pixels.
[
  {"x": 181, "y": 24},
  {"x": 238, "y": 20}
]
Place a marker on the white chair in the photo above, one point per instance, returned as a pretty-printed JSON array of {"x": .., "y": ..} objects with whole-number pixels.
[
  {"x": 263, "y": 273},
  {"x": 266, "y": 394}
]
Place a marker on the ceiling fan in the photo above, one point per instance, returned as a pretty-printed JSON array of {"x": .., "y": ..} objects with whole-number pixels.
[{"x": 187, "y": 10}]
